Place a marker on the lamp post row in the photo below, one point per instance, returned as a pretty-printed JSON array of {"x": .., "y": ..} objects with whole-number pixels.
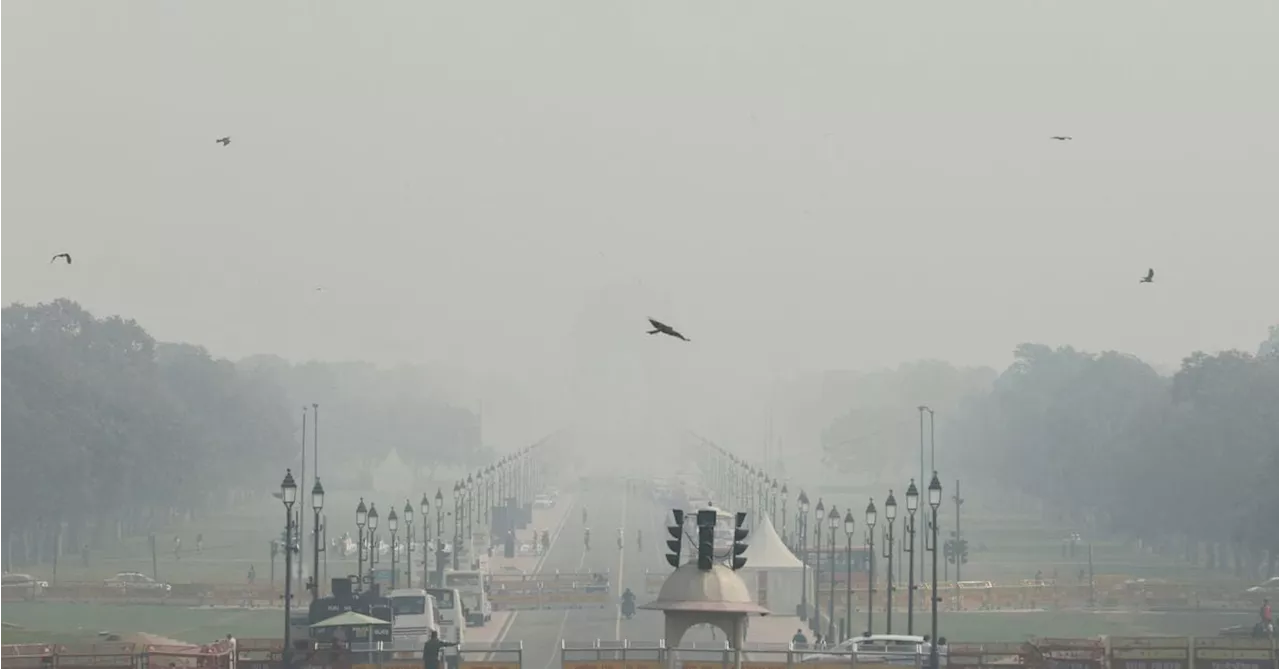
[{"x": 750, "y": 487}]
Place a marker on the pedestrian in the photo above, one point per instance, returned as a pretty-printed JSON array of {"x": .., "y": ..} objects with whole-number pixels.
[
  {"x": 200, "y": 543},
  {"x": 177, "y": 548},
  {"x": 252, "y": 574},
  {"x": 799, "y": 640},
  {"x": 431, "y": 650}
]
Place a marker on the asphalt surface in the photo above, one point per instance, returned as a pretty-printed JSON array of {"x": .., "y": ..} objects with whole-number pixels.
[{"x": 610, "y": 504}]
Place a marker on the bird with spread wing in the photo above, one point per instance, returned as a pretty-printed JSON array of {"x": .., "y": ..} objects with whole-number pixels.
[
  {"x": 1149, "y": 278},
  {"x": 663, "y": 328},
  {"x": 67, "y": 256},
  {"x": 225, "y": 141}
]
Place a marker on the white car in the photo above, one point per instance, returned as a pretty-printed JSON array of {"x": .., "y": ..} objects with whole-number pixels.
[
  {"x": 132, "y": 580},
  {"x": 543, "y": 502},
  {"x": 903, "y": 649}
]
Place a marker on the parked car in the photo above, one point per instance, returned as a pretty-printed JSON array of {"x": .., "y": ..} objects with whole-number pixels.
[
  {"x": 132, "y": 580},
  {"x": 22, "y": 586}
]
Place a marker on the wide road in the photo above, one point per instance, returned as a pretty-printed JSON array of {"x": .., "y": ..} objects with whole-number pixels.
[{"x": 610, "y": 504}]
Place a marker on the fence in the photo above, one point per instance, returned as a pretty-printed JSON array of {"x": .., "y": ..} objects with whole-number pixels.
[{"x": 116, "y": 656}]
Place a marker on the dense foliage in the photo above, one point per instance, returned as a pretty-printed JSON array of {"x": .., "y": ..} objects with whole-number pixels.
[
  {"x": 1104, "y": 438},
  {"x": 108, "y": 432}
]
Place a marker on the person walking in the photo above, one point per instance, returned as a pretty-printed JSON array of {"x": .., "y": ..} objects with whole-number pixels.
[{"x": 799, "y": 640}]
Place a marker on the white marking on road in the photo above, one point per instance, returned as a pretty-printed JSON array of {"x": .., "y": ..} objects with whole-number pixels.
[
  {"x": 563, "y": 621},
  {"x": 537, "y": 567},
  {"x": 622, "y": 554}
]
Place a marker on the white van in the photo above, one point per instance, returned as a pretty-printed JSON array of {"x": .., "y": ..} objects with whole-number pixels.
[
  {"x": 453, "y": 622},
  {"x": 473, "y": 586},
  {"x": 414, "y": 617}
]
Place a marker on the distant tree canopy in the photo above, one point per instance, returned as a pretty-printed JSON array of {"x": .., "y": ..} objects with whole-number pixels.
[
  {"x": 1105, "y": 436},
  {"x": 107, "y": 429}
]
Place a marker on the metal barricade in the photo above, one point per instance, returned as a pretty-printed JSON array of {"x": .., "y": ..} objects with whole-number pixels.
[
  {"x": 382, "y": 655},
  {"x": 625, "y": 654}
]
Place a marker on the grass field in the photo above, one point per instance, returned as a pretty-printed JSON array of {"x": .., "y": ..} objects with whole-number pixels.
[{"x": 48, "y": 621}]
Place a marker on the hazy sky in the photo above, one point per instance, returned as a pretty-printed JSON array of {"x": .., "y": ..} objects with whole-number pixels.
[{"x": 816, "y": 184}]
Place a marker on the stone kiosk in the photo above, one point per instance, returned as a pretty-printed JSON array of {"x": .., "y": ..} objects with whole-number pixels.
[{"x": 692, "y": 596}]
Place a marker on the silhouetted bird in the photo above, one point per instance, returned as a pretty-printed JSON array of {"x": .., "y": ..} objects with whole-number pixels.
[
  {"x": 223, "y": 141},
  {"x": 61, "y": 255},
  {"x": 666, "y": 330},
  {"x": 1151, "y": 275},
  {"x": 1061, "y": 138}
]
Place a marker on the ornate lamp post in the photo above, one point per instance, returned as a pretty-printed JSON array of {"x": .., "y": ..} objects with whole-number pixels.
[
  {"x": 362, "y": 516},
  {"x": 848, "y": 573},
  {"x": 317, "y": 503},
  {"x": 833, "y": 522},
  {"x": 870, "y": 522},
  {"x": 373, "y": 539},
  {"x": 289, "y": 495},
  {"x": 425, "y": 507},
  {"x": 393, "y": 523},
  {"x": 818, "y": 512},
  {"x": 439, "y": 546},
  {"x": 785, "y": 539},
  {"x": 935, "y": 499},
  {"x": 913, "y": 503},
  {"x": 802, "y": 523},
  {"x": 890, "y": 514},
  {"x": 407, "y": 514}
]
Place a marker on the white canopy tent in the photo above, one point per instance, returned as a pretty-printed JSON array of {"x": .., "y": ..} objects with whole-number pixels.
[{"x": 773, "y": 573}]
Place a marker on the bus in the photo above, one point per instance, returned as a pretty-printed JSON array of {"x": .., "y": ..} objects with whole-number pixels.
[
  {"x": 453, "y": 622},
  {"x": 473, "y": 586},
  {"x": 414, "y": 617}
]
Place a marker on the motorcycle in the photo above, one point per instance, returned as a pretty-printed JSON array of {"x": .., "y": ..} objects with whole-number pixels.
[{"x": 628, "y": 608}]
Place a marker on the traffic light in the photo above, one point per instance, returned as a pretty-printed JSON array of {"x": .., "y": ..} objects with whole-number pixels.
[
  {"x": 706, "y": 539},
  {"x": 677, "y": 534},
  {"x": 736, "y": 561}
]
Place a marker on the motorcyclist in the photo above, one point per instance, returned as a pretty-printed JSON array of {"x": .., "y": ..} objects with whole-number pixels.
[
  {"x": 620, "y": 541},
  {"x": 639, "y": 540},
  {"x": 586, "y": 537},
  {"x": 628, "y": 603}
]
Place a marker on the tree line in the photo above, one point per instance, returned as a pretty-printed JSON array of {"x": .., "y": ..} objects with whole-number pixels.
[
  {"x": 111, "y": 433},
  {"x": 1185, "y": 461}
]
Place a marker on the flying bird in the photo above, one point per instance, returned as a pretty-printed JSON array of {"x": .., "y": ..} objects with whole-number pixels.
[
  {"x": 223, "y": 141},
  {"x": 60, "y": 255},
  {"x": 666, "y": 330},
  {"x": 1061, "y": 138},
  {"x": 1151, "y": 275}
]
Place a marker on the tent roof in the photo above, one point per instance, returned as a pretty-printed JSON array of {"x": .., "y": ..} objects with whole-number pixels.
[
  {"x": 350, "y": 619},
  {"x": 765, "y": 549}
]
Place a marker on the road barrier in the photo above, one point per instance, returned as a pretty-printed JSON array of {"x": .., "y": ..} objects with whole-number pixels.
[{"x": 563, "y": 595}]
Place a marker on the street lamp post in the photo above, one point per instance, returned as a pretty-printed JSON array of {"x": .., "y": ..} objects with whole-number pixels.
[
  {"x": 833, "y": 522},
  {"x": 373, "y": 539},
  {"x": 425, "y": 507},
  {"x": 439, "y": 545},
  {"x": 408, "y": 544},
  {"x": 890, "y": 514},
  {"x": 935, "y": 500},
  {"x": 785, "y": 539},
  {"x": 870, "y": 521},
  {"x": 848, "y": 573},
  {"x": 289, "y": 495},
  {"x": 913, "y": 503},
  {"x": 317, "y": 503},
  {"x": 773, "y": 503},
  {"x": 816, "y": 624},
  {"x": 801, "y": 526},
  {"x": 362, "y": 517},
  {"x": 457, "y": 524},
  {"x": 393, "y": 523}
]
